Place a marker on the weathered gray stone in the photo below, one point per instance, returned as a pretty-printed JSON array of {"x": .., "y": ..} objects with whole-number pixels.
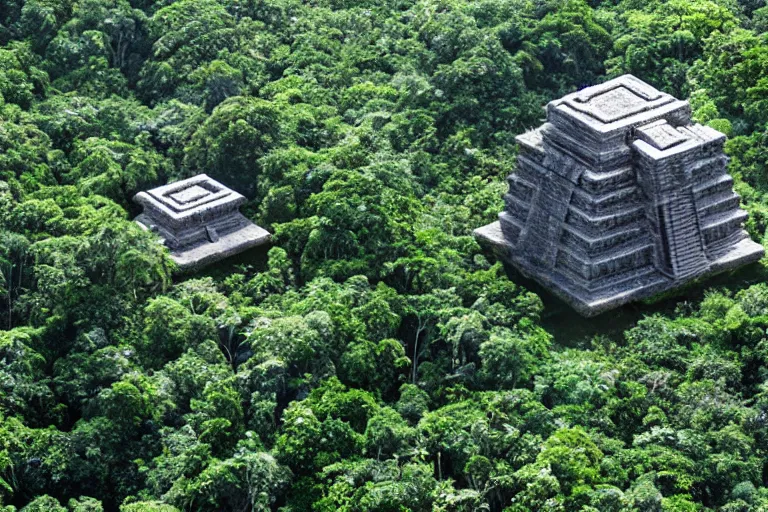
[
  {"x": 618, "y": 197},
  {"x": 199, "y": 221}
]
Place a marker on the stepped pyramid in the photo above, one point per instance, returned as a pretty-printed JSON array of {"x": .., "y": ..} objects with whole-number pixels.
[
  {"x": 199, "y": 220},
  {"x": 618, "y": 196}
]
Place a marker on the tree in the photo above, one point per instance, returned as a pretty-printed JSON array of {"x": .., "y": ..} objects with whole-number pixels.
[
  {"x": 116, "y": 170},
  {"x": 250, "y": 479},
  {"x": 427, "y": 310},
  {"x": 732, "y": 71},
  {"x": 44, "y": 504},
  {"x": 98, "y": 30},
  {"x": 14, "y": 257},
  {"x": 660, "y": 42},
  {"x": 509, "y": 359},
  {"x": 307, "y": 444},
  {"x": 230, "y": 143},
  {"x": 170, "y": 329},
  {"x": 148, "y": 506}
]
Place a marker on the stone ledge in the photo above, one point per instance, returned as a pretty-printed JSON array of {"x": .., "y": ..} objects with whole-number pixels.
[
  {"x": 744, "y": 252},
  {"x": 250, "y": 235}
]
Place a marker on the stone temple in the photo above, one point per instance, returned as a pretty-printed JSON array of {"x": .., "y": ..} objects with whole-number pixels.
[
  {"x": 199, "y": 221},
  {"x": 618, "y": 196}
]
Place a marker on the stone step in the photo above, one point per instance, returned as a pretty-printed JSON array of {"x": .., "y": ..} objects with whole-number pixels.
[
  {"x": 718, "y": 203},
  {"x": 517, "y": 179},
  {"x": 722, "y": 225},
  {"x": 719, "y": 219},
  {"x": 644, "y": 274},
  {"x": 593, "y": 246},
  {"x": 520, "y": 187},
  {"x": 603, "y": 182},
  {"x": 718, "y": 247},
  {"x": 531, "y": 141},
  {"x": 713, "y": 186},
  {"x": 708, "y": 169},
  {"x": 510, "y": 226},
  {"x": 681, "y": 237},
  {"x": 625, "y": 258},
  {"x": 516, "y": 207},
  {"x": 596, "y": 225},
  {"x": 596, "y": 150},
  {"x": 597, "y": 204}
]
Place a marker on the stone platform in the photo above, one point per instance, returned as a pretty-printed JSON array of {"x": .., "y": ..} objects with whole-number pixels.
[
  {"x": 617, "y": 197},
  {"x": 642, "y": 287},
  {"x": 199, "y": 221}
]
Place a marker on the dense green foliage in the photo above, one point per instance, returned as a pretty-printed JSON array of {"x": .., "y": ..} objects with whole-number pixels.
[{"x": 378, "y": 361}]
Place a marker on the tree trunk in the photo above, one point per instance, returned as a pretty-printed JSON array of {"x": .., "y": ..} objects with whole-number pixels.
[
  {"x": 10, "y": 299},
  {"x": 416, "y": 351}
]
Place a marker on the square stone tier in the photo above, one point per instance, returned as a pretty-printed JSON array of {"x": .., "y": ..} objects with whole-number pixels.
[
  {"x": 592, "y": 122},
  {"x": 618, "y": 196},
  {"x": 199, "y": 220}
]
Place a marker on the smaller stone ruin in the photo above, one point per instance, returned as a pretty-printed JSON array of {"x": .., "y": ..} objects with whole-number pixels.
[
  {"x": 199, "y": 221},
  {"x": 619, "y": 196}
]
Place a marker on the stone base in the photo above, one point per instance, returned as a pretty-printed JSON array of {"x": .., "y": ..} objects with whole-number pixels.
[
  {"x": 647, "y": 285},
  {"x": 227, "y": 245}
]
